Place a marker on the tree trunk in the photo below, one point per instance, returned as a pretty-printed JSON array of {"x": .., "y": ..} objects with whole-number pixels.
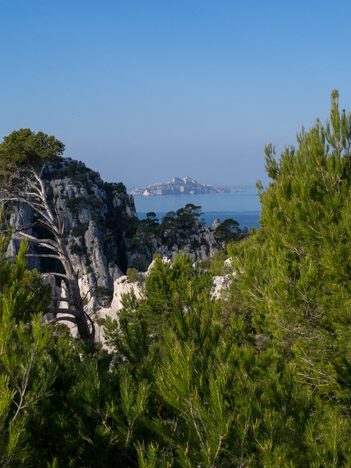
[{"x": 76, "y": 299}]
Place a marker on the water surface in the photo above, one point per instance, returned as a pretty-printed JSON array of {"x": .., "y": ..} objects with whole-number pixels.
[{"x": 243, "y": 206}]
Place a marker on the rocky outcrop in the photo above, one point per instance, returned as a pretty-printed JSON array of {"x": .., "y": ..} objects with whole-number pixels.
[
  {"x": 123, "y": 286},
  {"x": 97, "y": 216},
  {"x": 180, "y": 233},
  {"x": 199, "y": 242},
  {"x": 222, "y": 283},
  {"x": 176, "y": 186}
]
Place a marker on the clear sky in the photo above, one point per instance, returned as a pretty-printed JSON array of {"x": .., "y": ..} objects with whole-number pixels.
[{"x": 142, "y": 91}]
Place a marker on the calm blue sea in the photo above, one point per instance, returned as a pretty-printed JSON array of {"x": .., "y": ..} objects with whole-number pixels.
[{"x": 243, "y": 206}]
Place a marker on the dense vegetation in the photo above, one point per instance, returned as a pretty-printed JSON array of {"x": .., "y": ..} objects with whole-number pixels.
[{"x": 258, "y": 378}]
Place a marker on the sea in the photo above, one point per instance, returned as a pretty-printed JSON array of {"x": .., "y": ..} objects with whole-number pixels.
[{"x": 243, "y": 206}]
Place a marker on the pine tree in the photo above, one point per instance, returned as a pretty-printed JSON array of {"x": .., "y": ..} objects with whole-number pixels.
[
  {"x": 294, "y": 274},
  {"x": 26, "y": 371}
]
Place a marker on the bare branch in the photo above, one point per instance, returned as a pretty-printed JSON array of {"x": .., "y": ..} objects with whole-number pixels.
[
  {"x": 31, "y": 226},
  {"x": 61, "y": 319},
  {"x": 46, "y": 205},
  {"x": 65, "y": 311},
  {"x": 92, "y": 326},
  {"x": 58, "y": 220},
  {"x": 44, "y": 256},
  {"x": 34, "y": 193},
  {"x": 41, "y": 243},
  {"x": 34, "y": 205},
  {"x": 63, "y": 226},
  {"x": 88, "y": 292},
  {"x": 25, "y": 383},
  {"x": 61, "y": 275},
  {"x": 48, "y": 243},
  {"x": 50, "y": 227}
]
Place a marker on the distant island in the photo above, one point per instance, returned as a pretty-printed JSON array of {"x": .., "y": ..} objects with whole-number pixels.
[{"x": 177, "y": 186}]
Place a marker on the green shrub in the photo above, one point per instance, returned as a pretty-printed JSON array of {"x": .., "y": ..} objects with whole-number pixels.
[
  {"x": 75, "y": 203},
  {"x": 80, "y": 229},
  {"x": 133, "y": 275},
  {"x": 76, "y": 249},
  {"x": 101, "y": 292}
]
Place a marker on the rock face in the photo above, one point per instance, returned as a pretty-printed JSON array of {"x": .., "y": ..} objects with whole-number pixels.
[
  {"x": 97, "y": 215},
  {"x": 122, "y": 286},
  {"x": 180, "y": 231},
  {"x": 199, "y": 243},
  {"x": 176, "y": 186},
  {"x": 22, "y": 215}
]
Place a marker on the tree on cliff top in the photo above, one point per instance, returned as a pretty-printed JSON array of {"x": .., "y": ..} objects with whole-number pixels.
[
  {"x": 24, "y": 156},
  {"x": 25, "y": 148}
]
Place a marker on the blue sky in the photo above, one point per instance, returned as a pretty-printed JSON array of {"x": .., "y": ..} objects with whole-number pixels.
[{"x": 146, "y": 90}]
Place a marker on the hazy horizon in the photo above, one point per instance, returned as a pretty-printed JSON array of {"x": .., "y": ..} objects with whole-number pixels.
[
  {"x": 145, "y": 91},
  {"x": 132, "y": 187}
]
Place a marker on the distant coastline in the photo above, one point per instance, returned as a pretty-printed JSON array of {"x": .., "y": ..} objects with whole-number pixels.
[{"x": 177, "y": 186}]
